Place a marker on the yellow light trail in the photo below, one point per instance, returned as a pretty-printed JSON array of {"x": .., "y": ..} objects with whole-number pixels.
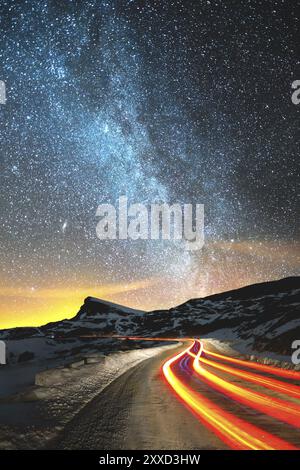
[
  {"x": 289, "y": 374},
  {"x": 270, "y": 383},
  {"x": 234, "y": 431},
  {"x": 271, "y": 406}
]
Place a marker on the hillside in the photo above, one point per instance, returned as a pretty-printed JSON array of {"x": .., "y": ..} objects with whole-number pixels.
[{"x": 260, "y": 317}]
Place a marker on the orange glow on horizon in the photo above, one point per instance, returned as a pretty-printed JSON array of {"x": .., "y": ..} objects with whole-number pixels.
[
  {"x": 36, "y": 299},
  {"x": 36, "y": 307}
]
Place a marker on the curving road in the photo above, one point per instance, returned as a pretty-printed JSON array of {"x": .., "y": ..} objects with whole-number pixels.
[{"x": 196, "y": 399}]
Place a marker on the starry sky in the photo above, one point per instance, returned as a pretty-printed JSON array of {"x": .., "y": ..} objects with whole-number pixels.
[{"x": 170, "y": 101}]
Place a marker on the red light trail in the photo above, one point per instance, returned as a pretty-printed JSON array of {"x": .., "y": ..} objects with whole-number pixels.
[
  {"x": 270, "y": 383},
  {"x": 237, "y": 433},
  {"x": 288, "y": 374}
]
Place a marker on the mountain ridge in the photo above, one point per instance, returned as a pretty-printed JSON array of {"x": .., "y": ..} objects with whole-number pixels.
[{"x": 262, "y": 316}]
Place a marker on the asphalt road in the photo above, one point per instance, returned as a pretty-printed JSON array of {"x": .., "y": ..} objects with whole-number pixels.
[{"x": 211, "y": 410}]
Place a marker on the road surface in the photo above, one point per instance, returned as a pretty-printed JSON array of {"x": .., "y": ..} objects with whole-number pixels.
[{"x": 197, "y": 400}]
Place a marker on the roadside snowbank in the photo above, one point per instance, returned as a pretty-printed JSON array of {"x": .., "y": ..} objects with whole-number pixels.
[{"x": 30, "y": 419}]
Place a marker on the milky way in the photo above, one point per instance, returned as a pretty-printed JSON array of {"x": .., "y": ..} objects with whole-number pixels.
[{"x": 160, "y": 101}]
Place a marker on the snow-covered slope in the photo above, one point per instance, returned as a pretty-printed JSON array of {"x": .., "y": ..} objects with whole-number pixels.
[
  {"x": 96, "y": 316},
  {"x": 264, "y": 317}
]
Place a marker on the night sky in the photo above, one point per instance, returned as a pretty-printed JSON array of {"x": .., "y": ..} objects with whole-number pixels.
[{"x": 175, "y": 101}]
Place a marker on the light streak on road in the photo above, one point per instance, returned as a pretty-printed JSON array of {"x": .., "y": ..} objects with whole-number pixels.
[
  {"x": 235, "y": 432},
  {"x": 278, "y": 409},
  {"x": 184, "y": 370},
  {"x": 288, "y": 374},
  {"x": 270, "y": 383}
]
